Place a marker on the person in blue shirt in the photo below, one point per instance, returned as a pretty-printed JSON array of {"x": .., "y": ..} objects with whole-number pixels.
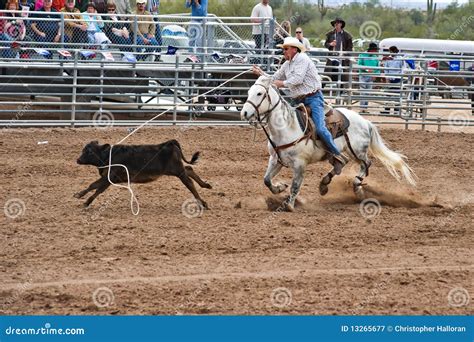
[
  {"x": 393, "y": 67},
  {"x": 198, "y": 7},
  {"x": 196, "y": 31}
]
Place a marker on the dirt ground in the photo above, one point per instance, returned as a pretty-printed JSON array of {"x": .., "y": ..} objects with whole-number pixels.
[{"x": 243, "y": 256}]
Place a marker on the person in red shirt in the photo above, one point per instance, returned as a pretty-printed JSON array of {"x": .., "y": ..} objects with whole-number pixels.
[{"x": 58, "y": 4}]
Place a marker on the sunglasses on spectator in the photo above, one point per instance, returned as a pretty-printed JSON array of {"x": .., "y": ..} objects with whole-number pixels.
[
  {"x": 299, "y": 32},
  {"x": 111, "y": 9}
]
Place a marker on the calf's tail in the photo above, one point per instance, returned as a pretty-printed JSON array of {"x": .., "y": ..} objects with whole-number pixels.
[{"x": 194, "y": 158}]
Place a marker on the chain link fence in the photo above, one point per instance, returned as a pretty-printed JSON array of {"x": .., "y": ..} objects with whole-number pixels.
[{"x": 75, "y": 74}]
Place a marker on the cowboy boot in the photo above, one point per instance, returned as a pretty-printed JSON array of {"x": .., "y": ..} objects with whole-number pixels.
[{"x": 338, "y": 162}]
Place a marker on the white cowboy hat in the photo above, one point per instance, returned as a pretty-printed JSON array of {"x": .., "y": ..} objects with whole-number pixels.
[{"x": 291, "y": 41}]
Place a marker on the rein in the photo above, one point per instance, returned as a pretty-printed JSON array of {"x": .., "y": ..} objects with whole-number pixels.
[{"x": 260, "y": 119}]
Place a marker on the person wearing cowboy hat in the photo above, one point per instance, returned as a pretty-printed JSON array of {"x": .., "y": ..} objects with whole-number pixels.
[
  {"x": 300, "y": 75},
  {"x": 337, "y": 40},
  {"x": 369, "y": 69}
]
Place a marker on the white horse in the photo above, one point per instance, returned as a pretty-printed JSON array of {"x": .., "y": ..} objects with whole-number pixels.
[{"x": 288, "y": 147}]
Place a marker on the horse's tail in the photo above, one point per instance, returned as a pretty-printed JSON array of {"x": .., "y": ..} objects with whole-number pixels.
[{"x": 393, "y": 161}]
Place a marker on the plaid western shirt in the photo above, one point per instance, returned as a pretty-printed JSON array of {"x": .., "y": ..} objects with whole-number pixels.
[{"x": 299, "y": 75}]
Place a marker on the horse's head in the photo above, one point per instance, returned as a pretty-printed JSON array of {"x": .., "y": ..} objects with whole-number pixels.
[{"x": 258, "y": 101}]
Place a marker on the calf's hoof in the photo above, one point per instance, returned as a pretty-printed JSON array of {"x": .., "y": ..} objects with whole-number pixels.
[
  {"x": 207, "y": 186},
  {"x": 204, "y": 205},
  {"x": 77, "y": 195}
]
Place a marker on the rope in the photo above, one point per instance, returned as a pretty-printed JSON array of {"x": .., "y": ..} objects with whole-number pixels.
[{"x": 133, "y": 199}]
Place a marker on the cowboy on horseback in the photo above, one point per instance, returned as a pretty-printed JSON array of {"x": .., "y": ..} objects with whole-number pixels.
[{"x": 300, "y": 76}]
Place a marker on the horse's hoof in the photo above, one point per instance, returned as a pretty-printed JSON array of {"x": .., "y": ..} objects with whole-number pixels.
[
  {"x": 290, "y": 207},
  {"x": 359, "y": 192},
  {"x": 323, "y": 189},
  {"x": 282, "y": 187}
]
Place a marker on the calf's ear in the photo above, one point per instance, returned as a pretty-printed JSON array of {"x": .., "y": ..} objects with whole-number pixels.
[
  {"x": 94, "y": 142},
  {"x": 105, "y": 146}
]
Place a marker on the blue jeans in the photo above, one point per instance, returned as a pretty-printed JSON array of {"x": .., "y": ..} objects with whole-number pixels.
[
  {"x": 316, "y": 103},
  {"x": 366, "y": 82},
  {"x": 153, "y": 43}
]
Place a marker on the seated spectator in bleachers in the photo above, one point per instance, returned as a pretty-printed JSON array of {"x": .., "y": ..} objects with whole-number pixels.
[
  {"x": 58, "y": 5},
  {"x": 146, "y": 27},
  {"x": 101, "y": 6},
  {"x": 302, "y": 39},
  {"x": 117, "y": 31},
  {"x": 153, "y": 6},
  {"x": 12, "y": 28},
  {"x": 46, "y": 31},
  {"x": 95, "y": 35},
  {"x": 74, "y": 31},
  {"x": 38, "y": 5},
  {"x": 27, "y": 5},
  {"x": 122, "y": 7},
  {"x": 280, "y": 35}
]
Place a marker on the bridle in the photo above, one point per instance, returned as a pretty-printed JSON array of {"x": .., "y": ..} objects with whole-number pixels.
[{"x": 265, "y": 116}]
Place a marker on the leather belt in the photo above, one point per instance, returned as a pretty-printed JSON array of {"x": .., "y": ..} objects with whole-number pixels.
[{"x": 302, "y": 97}]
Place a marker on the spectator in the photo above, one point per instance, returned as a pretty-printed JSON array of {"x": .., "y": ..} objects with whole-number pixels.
[
  {"x": 82, "y": 5},
  {"x": 195, "y": 31},
  {"x": 12, "y": 28},
  {"x": 261, "y": 10},
  {"x": 58, "y": 5},
  {"x": 38, "y": 5},
  {"x": 27, "y": 6},
  {"x": 281, "y": 33},
  {"x": 75, "y": 31},
  {"x": 367, "y": 62},
  {"x": 95, "y": 35},
  {"x": 117, "y": 31},
  {"x": 198, "y": 8},
  {"x": 122, "y": 7},
  {"x": 46, "y": 31},
  {"x": 153, "y": 6},
  {"x": 303, "y": 40},
  {"x": 146, "y": 27},
  {"x": 393, "y": 67},
  {"x": 338, "y": 40}
]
